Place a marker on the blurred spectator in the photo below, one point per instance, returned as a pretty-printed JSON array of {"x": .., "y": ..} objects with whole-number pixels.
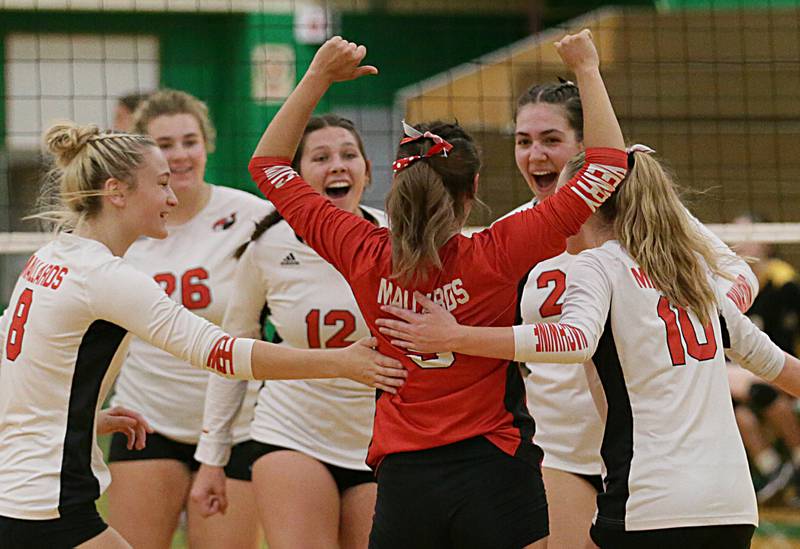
[
  {"x": 123, "y": 112},
  {"x": 776, "y": 310}
]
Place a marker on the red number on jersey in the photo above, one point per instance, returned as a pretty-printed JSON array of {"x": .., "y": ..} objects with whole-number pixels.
[
  {"x": 166, "y": 281},
  {"x": 686, "y": 335},
  {"x": 551, "y": 305},
  {"x": 332, "y": 318},
  {"x": 194, "y": 294},
  {"x": 17, "y": 329}
]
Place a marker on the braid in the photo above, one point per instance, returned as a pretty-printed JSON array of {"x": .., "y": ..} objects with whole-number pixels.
[
  {"x": 564, "y": 93},
  {"x": 269, "y": 220}
]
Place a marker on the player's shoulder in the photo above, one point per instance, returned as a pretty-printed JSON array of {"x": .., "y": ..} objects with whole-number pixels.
[
  {"x": 521, "y": 208},
  {"x": 609, "y": 257},
  {"x": 227, "y": 198}
]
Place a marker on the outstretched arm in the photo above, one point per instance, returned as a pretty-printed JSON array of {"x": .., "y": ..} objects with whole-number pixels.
[
  {"x": 573, "y": 340},
  {"x": 336, "y": 61},
  {"x": 149, "y": 314}
]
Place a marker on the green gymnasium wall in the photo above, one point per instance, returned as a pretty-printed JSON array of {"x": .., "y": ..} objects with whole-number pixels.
[{"x": 208, "y": 55}]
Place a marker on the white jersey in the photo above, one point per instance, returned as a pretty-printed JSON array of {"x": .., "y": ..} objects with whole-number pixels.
[
  {"x": 671, "y": 448},
  {"x": 311, "y": 306},
  {"x": 63, "y": 339},
  {"x": 568, "y": 427},
  {"x": 195, "y": 266}
]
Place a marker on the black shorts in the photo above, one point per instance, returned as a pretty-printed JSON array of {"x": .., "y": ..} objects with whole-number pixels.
[
  {"x": 160, "y": 447},
  {"x": 595, "y": 480},
  {"x": 344, "y": 478},
  {"x": 734, "y": 536},
  {"x": 77, "y": 524},
  {"x": 466, "y": 495}
]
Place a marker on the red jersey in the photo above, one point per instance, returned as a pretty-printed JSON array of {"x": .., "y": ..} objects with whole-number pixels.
[{"x": 448, "y": 397}]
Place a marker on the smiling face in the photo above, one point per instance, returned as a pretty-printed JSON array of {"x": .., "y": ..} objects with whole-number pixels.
[
  {"x": 544, "y": 142},
  {"x": 181, "y": 140},
  {"x": 332, "y": 164},
  {"x": 150, "y": 200}
]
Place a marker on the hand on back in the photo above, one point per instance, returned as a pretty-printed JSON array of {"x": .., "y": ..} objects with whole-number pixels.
[
  {"x": 578, "y": 51},
  {"x": 339, "y": 61}
]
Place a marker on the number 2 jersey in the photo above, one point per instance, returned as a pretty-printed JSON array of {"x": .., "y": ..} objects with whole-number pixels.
[
  {"x": 311, "y": 306},
  {"x": 671, "y": 448},
  {"x": 194, "y": 265},
  {"x": 568, "y": 427},
  {"x": 64, "y": 336},
  {"x": 446, "y": 398}
]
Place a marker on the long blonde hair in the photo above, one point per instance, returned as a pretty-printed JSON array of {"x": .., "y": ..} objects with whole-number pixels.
[
  {"x": 84, "y": 159},
  {"x": 653, "y": 226}
]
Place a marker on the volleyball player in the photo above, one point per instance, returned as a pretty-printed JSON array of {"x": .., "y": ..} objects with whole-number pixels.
[
  {"x": 194, "y": 265},
  {"x": 310, "y": 438},
  {"x": 548, "y": 132},
  {"x": 641, "y": 303},
  {"x": 67, "y": 329},
  {"x": 454, "y": 453}
]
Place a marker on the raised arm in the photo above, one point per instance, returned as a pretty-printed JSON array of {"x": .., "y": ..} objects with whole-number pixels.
[
  {"x": 336, "y": 61},
  {"x": 132, "y": 300},
  {"x": 334, "y": 234},
  {"x": 605, "y": 165}
]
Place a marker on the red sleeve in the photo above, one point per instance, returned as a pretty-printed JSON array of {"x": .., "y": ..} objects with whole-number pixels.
[
  {"x": 339, "y": 237},
  {"x": 533, "y": 235}
]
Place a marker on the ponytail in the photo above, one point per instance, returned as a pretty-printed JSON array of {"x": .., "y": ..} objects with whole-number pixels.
[
  {"x": 654, "y": 227},
  {"x": 426, "y": 205}
]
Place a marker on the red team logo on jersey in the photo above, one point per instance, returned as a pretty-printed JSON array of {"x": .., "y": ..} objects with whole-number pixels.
[{"x": 225, "y": 223}]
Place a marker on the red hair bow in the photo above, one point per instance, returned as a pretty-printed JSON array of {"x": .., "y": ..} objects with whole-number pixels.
[{"x": 440, "y": 146}]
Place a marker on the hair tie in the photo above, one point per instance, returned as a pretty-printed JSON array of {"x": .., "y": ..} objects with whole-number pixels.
[
  {"x": 637, "y": 148},
  {"x": 440, "y": 146}
]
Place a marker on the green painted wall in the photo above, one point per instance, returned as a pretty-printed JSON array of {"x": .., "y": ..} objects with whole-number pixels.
[{"x": 208, "y": 55}]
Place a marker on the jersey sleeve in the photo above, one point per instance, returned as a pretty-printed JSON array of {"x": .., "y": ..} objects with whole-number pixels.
[
  {"x": 120, "y": 294},
  {"x": 748, "y": 346},
  {"x": 743, "y": 289},
  {"x": 224, "y": 397},
  {"x": 574, "y": 339},
  {"x": 539, "y": 233},
  {"x": 340, "y": 238}
]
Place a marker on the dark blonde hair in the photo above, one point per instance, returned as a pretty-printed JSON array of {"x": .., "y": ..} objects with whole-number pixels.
[
  {"x": 85, "y": 158},
  {"x": 653, "y": 226},
  {"x": 169, "y": 102},
  {"x": 426, "y": 204}
]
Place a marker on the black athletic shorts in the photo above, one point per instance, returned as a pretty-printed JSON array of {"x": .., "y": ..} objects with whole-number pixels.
[
  {"x": 595, "y": 480},
  {"x": 77, "y": 524},
  {"x": 466, "y": 495},
  {"x": 344, "y": 478},
  {"x": 160, "y": 447},
  {"x": 734, "y": 536}
]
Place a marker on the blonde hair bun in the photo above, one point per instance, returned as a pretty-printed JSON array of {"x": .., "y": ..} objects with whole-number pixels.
[{"x": 64, "y": 140}]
